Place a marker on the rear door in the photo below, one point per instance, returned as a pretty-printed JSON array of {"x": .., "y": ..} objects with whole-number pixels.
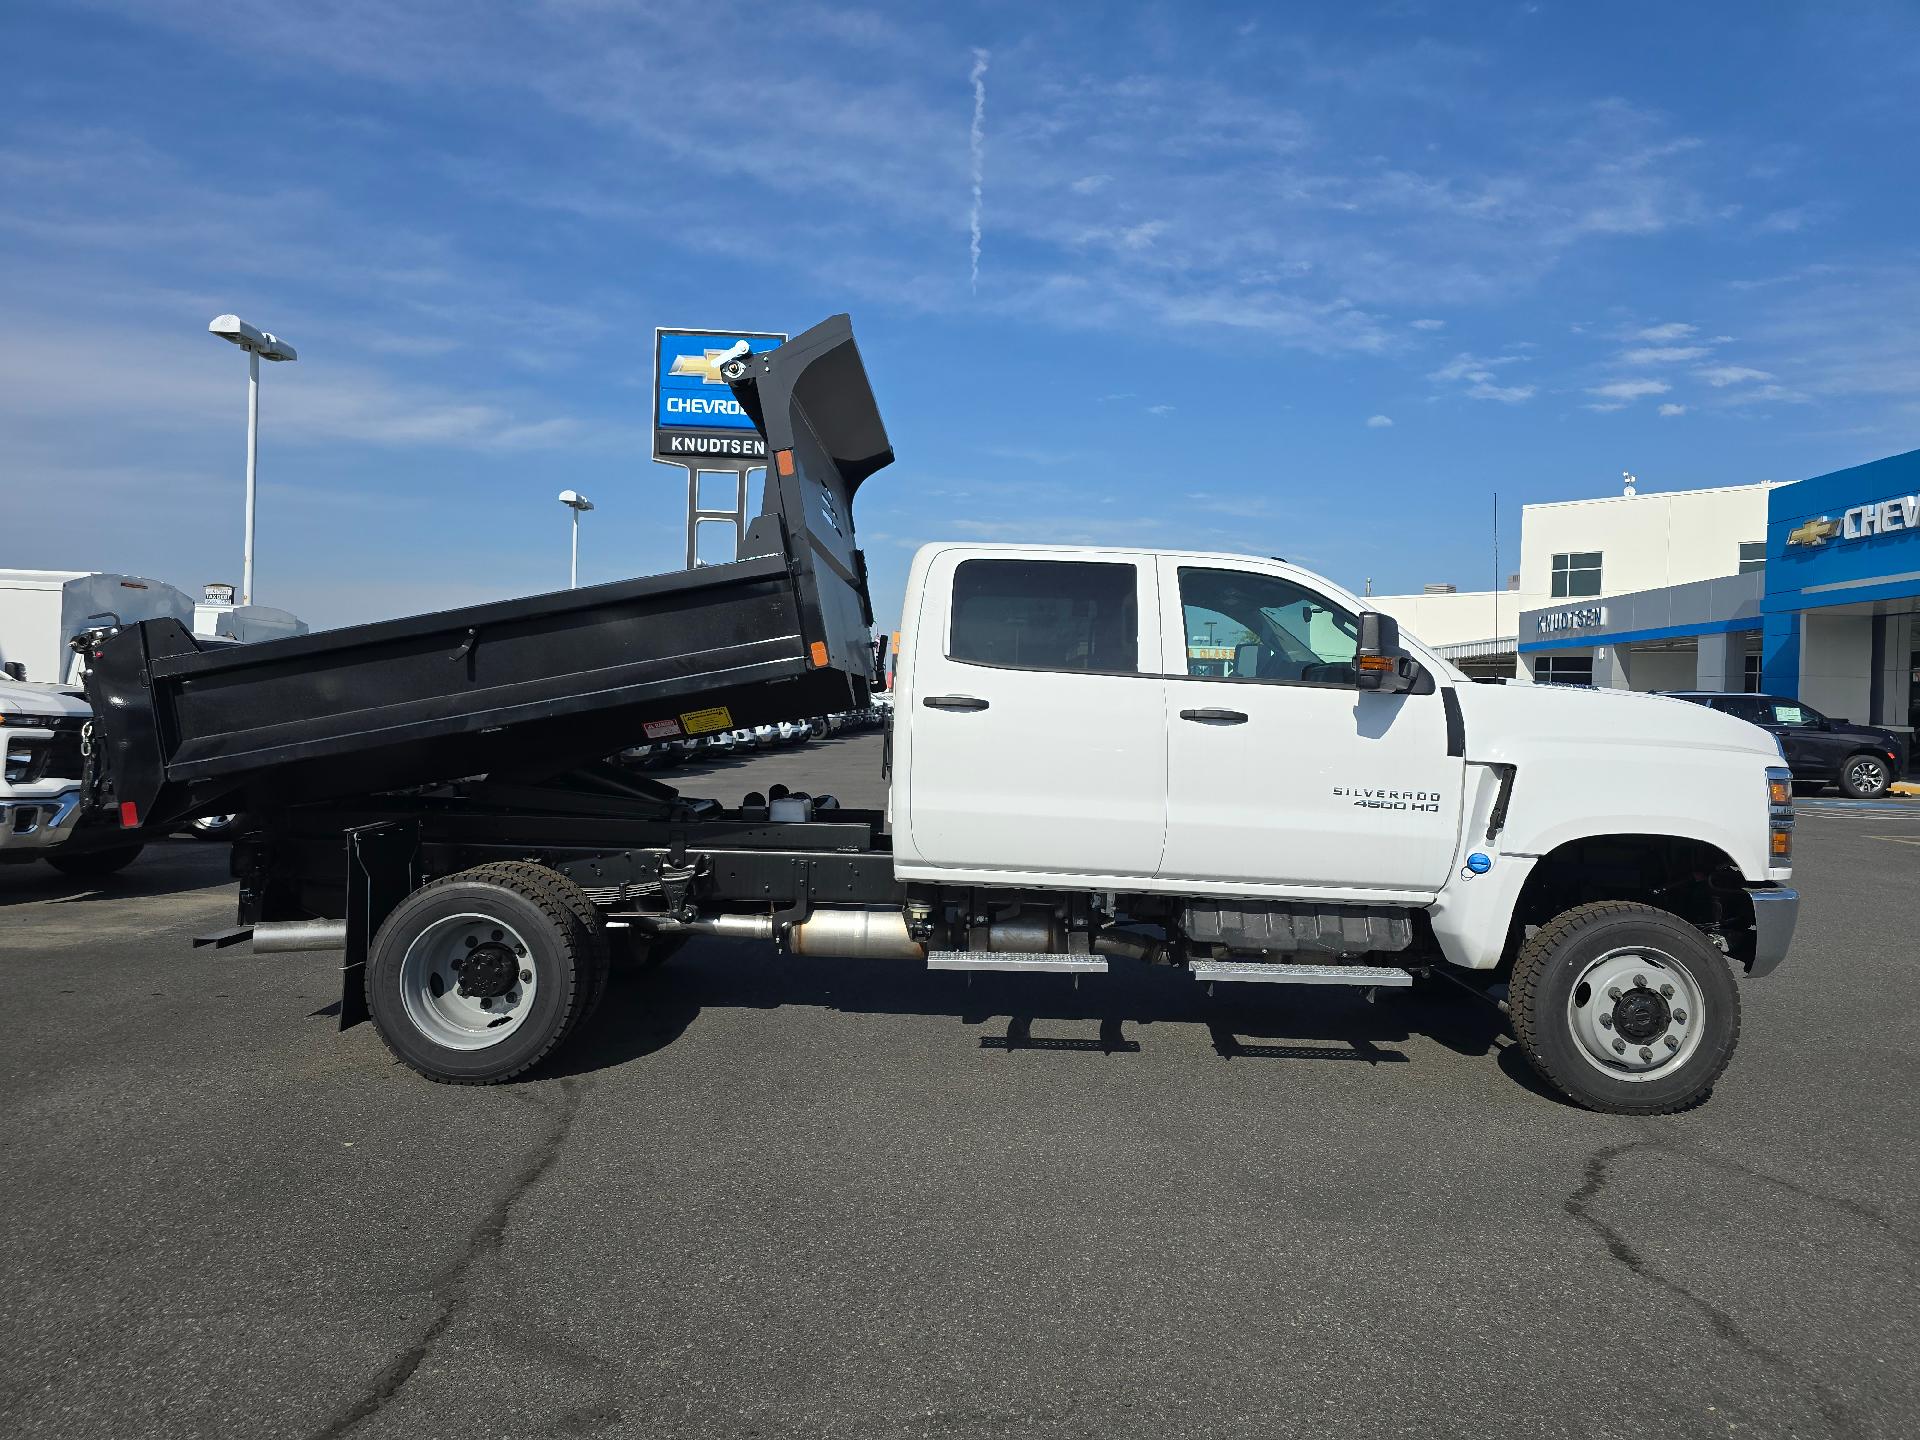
[
  {"x": 1279, "y": 771},
  {"x": 1037, "y": 740}
]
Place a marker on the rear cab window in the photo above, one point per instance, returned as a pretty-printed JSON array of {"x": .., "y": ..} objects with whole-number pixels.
[{"x": 1031, "y": 614}]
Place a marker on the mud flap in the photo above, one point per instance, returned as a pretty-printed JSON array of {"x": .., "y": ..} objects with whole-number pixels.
[{"x": 383, "y": 868}]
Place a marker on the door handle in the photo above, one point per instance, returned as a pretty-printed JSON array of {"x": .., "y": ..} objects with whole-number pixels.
[
  {"x": 954, "y": 702},
  {"x": 1215, "y": 717}
]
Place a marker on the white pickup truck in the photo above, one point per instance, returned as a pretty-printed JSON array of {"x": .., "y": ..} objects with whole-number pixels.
[{"x": 1217, "y": 762}]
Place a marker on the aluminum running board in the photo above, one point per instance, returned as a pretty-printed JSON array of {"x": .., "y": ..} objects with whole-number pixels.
[
  {"x": 1022, "y": 961},
  {"x": 1292, "y": 973}
]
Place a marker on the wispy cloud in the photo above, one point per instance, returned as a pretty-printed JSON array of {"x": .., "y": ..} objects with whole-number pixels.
[
  {"x": 1478, "y": 373},
  {"x": 1626, "y": 391},
  {"x": 1428, "y": 324},
  {"x": 1664, "y": 354},
  {"x": 1379, "y": 422},
  {"x": 977, "y": 160},
  {"x": 1673, "y": 330},
  {"x": 1669, "y": 410},
  {"x": 1720, "y": 376}
]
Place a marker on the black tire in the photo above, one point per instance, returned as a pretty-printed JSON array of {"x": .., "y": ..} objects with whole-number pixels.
[
  {"x": 564, "y": 950},
  {"x": 525, "y": 874},
  {"x": 91, "y": 864},
  {"x": 1558, "y": 958},
  {"x": 1865, "y": 776},
  {"x": 214, "y": 827}
]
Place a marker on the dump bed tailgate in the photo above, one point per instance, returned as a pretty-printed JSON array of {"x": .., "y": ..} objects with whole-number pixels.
[{"x": 535, "y": 685}]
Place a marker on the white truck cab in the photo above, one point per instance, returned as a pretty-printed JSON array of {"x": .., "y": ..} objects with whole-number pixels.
[{"x": 1211, "y": 728}]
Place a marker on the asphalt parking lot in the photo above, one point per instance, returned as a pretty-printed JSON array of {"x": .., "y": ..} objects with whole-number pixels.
[{"x": 770, "y": 1198}]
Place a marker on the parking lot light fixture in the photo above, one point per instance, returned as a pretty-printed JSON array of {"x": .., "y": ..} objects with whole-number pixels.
[
  {"x": 577, "y": 503},
  {"x": 259, "y": 345}
]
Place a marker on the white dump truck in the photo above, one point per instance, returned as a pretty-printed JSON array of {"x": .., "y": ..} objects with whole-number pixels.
[{"x": 1079, "y": 780}]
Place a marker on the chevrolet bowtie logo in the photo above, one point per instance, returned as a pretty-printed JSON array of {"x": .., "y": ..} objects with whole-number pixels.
[
  {"x": 706, "y": 366},
  {"x": 1814, "y": 532}
]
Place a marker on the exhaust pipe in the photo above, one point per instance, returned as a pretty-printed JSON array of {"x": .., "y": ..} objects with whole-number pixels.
[
  {"x": 848, "y": 934},
  {"x": 274, "y": 937}
]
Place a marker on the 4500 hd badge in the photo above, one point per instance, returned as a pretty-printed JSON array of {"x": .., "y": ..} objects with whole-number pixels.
[{"x": 1428, "y": 800}]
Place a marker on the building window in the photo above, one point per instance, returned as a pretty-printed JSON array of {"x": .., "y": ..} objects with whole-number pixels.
[
  {"x": 1576, "y": 574},
  {"x": 1753, "y": 555},
  {"x": 1752, "y": 683},
  {"x": 1563, "y": 670},
  {"x": 1045, "y": 615}
]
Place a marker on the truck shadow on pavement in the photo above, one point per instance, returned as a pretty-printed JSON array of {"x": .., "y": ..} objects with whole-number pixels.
[
  {"x": 169, "y": 867},
  {"x": 646, "y": 1011}
]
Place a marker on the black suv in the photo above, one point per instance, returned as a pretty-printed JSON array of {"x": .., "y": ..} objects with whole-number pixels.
[{"x": 1861, "y": 759}]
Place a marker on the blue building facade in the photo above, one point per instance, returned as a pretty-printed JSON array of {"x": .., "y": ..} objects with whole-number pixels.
[{"x": 1838, "y": 619}]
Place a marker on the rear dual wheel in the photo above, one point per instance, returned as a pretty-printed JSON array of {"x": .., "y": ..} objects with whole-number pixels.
[
  {"x": 1625, "y": 1008},
  {"x": 477, "y": 977}
]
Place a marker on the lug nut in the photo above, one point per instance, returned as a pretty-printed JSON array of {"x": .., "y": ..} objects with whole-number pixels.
[
  {"x": 1681, "y": 1016},
  {"x": 1672, "y": 1044},
  {"x": 1606, "y": 1022},
  {"x": 472, "y": 940},
  {"x": 1639, "y": 982},
  {"x": 1613, "y": 992},
  {"x": 1667, "y": 991},
  {"x": 1620, "y": 1047},
  {"x": 1645, "y": 1053},
  {"x": 526, "y": 976}
]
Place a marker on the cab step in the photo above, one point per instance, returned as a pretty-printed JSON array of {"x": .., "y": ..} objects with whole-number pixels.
[
  {"x": 1288, "y": 972},
  {"x": 1027, "y": 962}
]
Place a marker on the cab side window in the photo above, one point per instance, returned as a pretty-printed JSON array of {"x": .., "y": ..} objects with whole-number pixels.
[
  {"x": 1046, "y": 615},
  {"x": 1243, "y": 626}
]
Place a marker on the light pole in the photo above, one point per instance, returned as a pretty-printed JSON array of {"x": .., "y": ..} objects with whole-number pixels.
[
  {"x": 257, "y": 344},
  {"x": 575, "y": 502}
]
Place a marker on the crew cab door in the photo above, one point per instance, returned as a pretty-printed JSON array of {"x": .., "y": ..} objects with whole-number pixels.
[
  {"x": 1280, "y": 772},
  {"x": 1033, "y": 735}
]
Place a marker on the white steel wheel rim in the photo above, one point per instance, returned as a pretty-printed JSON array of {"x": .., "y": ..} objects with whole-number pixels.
[
  {"x": 1626, "y": 1035},
  {"x": 430, "y": 983}
]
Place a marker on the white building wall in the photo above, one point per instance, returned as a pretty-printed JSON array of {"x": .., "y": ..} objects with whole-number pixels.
[
  {"x": 1456, "y": 619},
  {"x": 1645, "y": 541},
  {"x": 1836, "y": 664}
]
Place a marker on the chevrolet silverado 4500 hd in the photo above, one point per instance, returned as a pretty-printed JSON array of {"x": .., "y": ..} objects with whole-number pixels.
[{"x": 1335, "y": 805}]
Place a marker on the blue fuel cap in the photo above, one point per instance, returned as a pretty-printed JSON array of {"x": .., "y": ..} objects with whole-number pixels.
[{"x": 1479, "y": 864}]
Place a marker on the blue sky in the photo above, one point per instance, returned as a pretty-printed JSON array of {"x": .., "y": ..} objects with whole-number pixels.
[{"x": 1312, "y": 281}]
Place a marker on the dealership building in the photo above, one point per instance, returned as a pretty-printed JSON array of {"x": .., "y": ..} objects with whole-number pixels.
[{"x": 1808, "y": 589}]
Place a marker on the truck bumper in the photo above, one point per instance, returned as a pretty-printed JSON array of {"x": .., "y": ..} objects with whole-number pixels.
[
  {"x": 1776, "y": 910},
  {"x": 29, "y": 827}
]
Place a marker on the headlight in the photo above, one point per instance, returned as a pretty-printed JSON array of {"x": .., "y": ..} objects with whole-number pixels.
[{"x": 1779, "y": 817}]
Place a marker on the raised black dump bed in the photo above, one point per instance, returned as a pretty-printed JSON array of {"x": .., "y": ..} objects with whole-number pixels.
[{"x": 530, "y": 688}]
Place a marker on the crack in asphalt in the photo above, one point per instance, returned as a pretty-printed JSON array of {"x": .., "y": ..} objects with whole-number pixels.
[
  {"x": 1595, "y": 1178},
  {"x": 453, "y": 1282}
]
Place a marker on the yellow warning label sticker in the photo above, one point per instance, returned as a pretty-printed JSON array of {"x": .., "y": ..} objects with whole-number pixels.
[{"x": 705, "y": 722}]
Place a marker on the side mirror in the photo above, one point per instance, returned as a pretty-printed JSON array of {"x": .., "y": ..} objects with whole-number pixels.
[
  {"x": 15, "y": 669},
  {"x": 1246, "y": 659},
  {"x": 1378, "y": 665}
]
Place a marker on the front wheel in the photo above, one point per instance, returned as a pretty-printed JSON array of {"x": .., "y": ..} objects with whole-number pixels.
[
  {"x": 1625, "y": 1008},
  {"x": 1865, "y": 777}
]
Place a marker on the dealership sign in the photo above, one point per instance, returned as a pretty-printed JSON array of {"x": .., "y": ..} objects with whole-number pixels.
[
  {"x": 696, "y": 420},
  {"x": 1582, "y": 617},
  {"x": 1883, "y": 517}
]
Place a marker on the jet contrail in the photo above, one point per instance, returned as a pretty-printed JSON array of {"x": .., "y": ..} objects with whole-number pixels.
[{"x": 977, "y": 153}]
